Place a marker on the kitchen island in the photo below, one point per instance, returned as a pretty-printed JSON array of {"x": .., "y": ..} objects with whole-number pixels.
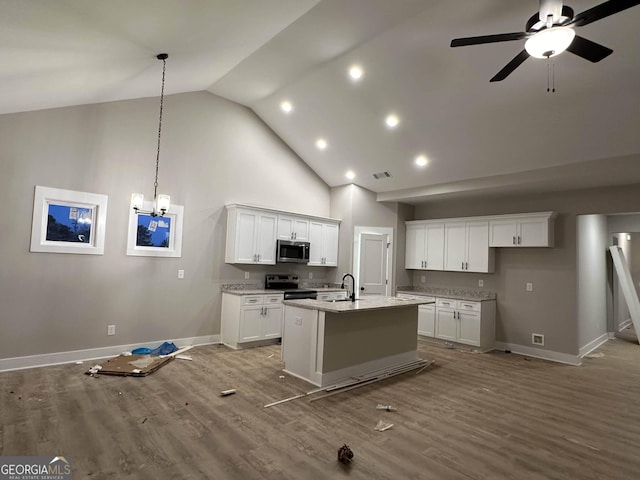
[{"x": 326, "y": 342}]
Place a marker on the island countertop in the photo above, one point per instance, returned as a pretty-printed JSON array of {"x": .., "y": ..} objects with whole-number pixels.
[{"x": 369, "y": 302}]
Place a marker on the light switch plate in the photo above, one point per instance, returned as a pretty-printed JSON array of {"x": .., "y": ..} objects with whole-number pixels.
[
  {"x": 111, "y": 329},
  {"x": 423, "y": 279},
  {"x": 246, "y": 275},
  {"x": 481, "y": 283},
  {"x": 181, "y": 274},
  {"x": 310, "y": 275},
  {"x": 529, "y": 287}
]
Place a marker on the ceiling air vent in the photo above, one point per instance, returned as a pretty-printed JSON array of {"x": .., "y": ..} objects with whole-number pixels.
[{"x": 380, "y": 175}]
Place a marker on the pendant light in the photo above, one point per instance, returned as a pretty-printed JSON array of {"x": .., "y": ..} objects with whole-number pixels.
[{"x": 160, "y": 202}]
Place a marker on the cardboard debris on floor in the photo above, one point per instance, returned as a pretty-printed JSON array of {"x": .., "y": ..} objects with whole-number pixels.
[{"x": 131, "y": 365}]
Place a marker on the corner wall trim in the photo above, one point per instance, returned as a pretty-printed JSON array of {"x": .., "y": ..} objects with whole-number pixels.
[
  {"x": 593, "y": 344},
  {"x": 49, "y": 359},
  {"x": 552, "y": 356}
]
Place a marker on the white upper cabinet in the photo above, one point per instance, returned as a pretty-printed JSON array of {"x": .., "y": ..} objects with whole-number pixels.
[
  {"x": 251, "y": 236},
  {"x": 526, "y": 230},
  {"x": 293, "y": 228},
  {"x": 323, "y": 238},
  {"x": 466, "y": 247},
  {"x": 425, "y": 246}
]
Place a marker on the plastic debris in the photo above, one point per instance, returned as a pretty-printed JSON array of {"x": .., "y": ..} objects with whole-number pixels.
[
  {"x": 270, "y": 356},
  {"x": 382, "y": 426},
  {"x": 136, "y": 370},
  {"x": 388, "y": 408},
  {"x": 449, "y": 345},
  {"x": 165, "y": 349},
  {"x": 95, "y": 369},
  {"x": 224, "y": 393},
  {"x": 79, "y": 362},
  {"x": 185, "y": 357},
  {"x": 345, "y": 455},
  {"x": 594, "y": 355},
  {"x": 281, "y": 377},
  {"x": 126, "y": 354}
]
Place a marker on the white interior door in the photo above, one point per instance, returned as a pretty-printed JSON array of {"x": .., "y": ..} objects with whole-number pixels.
[
  {"x": 373, "y": 264},
  {"x": 626, "y": 283}
]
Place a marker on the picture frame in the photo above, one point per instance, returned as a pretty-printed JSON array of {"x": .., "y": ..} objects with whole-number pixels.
[
  {"x": 67, "y": 221},
  {"x": 159, "y": 236}
]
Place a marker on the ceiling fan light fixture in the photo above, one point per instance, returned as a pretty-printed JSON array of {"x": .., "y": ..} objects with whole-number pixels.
[{"x": 550, "y": 42}]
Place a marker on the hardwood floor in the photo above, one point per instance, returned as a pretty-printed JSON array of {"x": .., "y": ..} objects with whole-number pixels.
[{"x": 469, "y": 416}]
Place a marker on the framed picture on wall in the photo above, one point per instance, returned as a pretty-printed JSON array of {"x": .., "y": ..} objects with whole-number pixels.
[
  {"x": 155, "y": 236},
  {"x": 66, "y": 221}
]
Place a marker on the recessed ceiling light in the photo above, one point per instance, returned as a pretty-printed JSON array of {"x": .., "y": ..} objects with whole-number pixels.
[
  {"x": 321, "y": 143},
  {"x": 421, "y": 160},
  {"x": 350, "y": 175},
  {"x": 392, "y": 121},
  {"x": 355, "y": 72},
  {"x": 286, "y": 106}
]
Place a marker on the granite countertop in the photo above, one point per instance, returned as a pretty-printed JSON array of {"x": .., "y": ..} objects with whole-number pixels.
[
  {"x": 456, "y": 293},
  {"x": 370, "y": 302},
  {"x": 258, "y": 289}
]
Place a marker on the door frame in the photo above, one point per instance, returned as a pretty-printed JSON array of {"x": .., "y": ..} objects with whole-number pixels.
[{"x": 357, "y": 232}]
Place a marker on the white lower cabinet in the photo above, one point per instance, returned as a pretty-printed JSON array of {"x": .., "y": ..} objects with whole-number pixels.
[
  {"x": 462, "y": 321},
  {"x": 427, "y": 320},
  {"x": 250, "y": 318}
]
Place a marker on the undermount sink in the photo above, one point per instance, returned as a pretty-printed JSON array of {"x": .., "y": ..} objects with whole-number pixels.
[{"x": 343, "y": 300}]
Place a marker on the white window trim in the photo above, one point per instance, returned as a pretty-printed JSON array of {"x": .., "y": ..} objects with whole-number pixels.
[{"x": 176, "y": 213}]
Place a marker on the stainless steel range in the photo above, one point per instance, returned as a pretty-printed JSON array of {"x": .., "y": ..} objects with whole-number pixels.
[{"x": 289, "y": 284}]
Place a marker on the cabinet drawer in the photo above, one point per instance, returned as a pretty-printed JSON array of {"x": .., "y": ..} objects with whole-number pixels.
[
  {"x": 270, "y": 299},
  {"x": 252, "y": 300},
  {"x": 471, "y": 306},
  {"x": 446, "y": 303}
]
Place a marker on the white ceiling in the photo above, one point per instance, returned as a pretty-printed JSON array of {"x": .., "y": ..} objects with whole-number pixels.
[{"x": 480, "y": 137}]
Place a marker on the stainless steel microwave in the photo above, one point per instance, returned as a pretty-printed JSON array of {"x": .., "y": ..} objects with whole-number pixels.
[{"x": 292, "y": 252}]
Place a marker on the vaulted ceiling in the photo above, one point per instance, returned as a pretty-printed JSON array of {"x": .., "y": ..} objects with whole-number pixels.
[{"x": 478, "y": 137}]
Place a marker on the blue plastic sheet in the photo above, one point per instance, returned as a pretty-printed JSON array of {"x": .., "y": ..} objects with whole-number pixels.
[{"x": 165, "y": 349}]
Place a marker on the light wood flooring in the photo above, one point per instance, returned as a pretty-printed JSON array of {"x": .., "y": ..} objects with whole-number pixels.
[{"x": 470, "y": 416}]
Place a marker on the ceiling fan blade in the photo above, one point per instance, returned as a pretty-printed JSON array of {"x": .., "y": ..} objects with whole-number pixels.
[
  {"x": 511, "y": 66},
  {"x": 594, "y": 52},
  {"x": 601, "y": 11},
  {"x": 500, "y": 37}
]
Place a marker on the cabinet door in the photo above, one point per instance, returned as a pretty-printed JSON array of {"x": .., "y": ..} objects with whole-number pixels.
[
  {"x": 285, "y": 227},
  {"x": 266, "y": 239},
  {"x": 446, "y": 324},
  {"x": 533, "y": 232},
  {"x": 301, "y": 229},
  {"x": 272, "y": 321},
  {"x": 454, "y": 246},
  {"x": 502, "y": 233},
  {"x": 427, "y": 320},
  {"x": 435, "y": 246},
  {"x": 415, "y": 247},
  {"x": 469, "y": 331},
  {"x": 316, "y": 253},
  {"x": 246, "y": 230},
  {"x": 477, "y": 247},
  {"x": 330, "y": 244},
  {"x": 251, "y": 319}
]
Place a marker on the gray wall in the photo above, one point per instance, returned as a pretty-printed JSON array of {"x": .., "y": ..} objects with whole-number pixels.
[
  {"x": 551, "y": 309},
  {"x": 592, "y": 243},
  {"x": 213, "y": 152},
  {"x": 358, "y": 207}
]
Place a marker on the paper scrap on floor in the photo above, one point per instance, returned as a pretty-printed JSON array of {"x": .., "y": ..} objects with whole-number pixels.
[{"x": 130, "y": 365}]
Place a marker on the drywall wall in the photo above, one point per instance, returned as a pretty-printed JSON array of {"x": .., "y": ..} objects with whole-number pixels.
[
  {"x": 551, "y": 309},
  {"x": 213, "y": 152},
  {"x": 358, "y": 207},
  {"x": 592, "y": 243}
]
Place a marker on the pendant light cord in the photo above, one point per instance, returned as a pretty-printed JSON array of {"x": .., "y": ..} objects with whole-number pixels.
[{"x": 163, "y": 57}]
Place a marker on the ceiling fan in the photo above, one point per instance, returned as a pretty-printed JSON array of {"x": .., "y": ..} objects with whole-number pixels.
[{"x": 551, "y": 31}]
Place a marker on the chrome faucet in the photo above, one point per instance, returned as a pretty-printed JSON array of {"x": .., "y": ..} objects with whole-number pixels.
[{"x": 352, "y": 297}]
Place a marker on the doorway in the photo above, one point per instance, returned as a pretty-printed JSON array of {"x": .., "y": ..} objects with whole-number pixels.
[{"x": 372, "y": 260}]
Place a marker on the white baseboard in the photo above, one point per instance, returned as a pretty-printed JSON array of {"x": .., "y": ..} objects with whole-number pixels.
[
  {"x": 592, "y": 345},
  {"x": 539, "y": 353},
  {"x": 624, "y": 324},
  {"x": 48, "y": 359}
]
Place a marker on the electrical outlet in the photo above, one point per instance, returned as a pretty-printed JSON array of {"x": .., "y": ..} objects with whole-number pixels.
[
  {"x": 181, "y": 274},
  {"x": 423, "y": 279},
  {"x": 481, "y": 283},
  {"x": 537, "y": 339},
  {"x": 111, "y": 329},
  {"x": 246, "y": 275},
  {"x": 529, "y": 287},
  {"x": 310, "y": 275}
]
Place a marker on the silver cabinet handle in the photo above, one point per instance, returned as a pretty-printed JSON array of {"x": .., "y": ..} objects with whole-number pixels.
[
  {"x": 519, "y": 240},
  {"x": 462, "y": 267},
  {"x": 466, "y": 265},
  {"x": 514, "y": 240},
  {"x": 255, "y": 257},
  {"x": 258, "y": 257}
]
